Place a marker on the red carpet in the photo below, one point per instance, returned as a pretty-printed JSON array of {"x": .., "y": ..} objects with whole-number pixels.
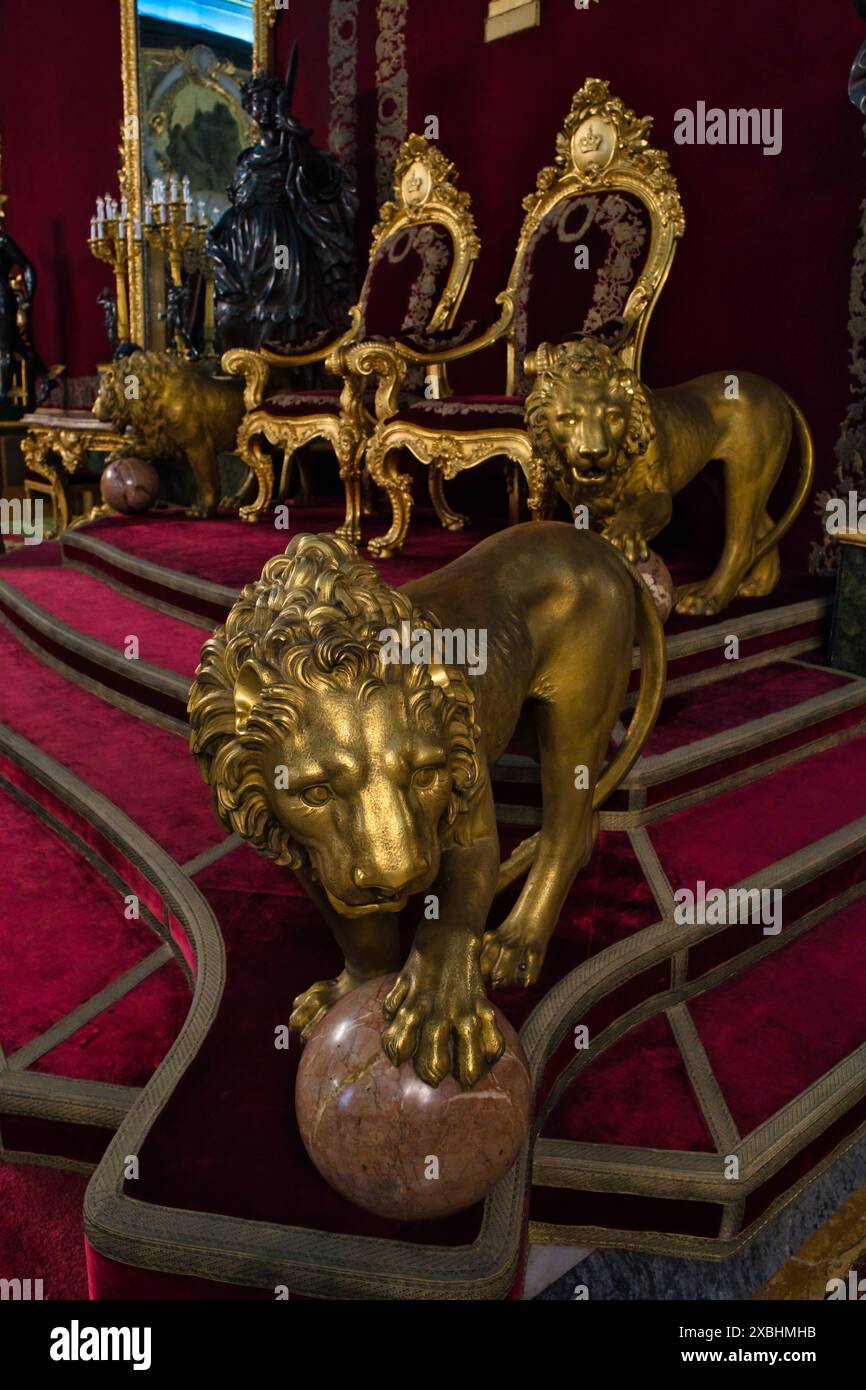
[{"x": 40, "y": 1232}]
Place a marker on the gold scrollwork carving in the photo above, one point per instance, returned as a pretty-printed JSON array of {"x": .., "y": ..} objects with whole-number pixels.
[
  {"x": 424, "y": 195},
  {"x": 290, "y": 434},
  {"x": 264, "y": 19},
  {"x": 446, "y": 454},
  {"x": 45, "y": 449},
  {"x": 602, "y": 145},
  {"x": 425, "y": 192}
]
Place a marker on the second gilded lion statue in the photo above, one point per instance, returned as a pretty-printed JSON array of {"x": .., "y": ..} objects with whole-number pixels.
[
  {"x": 370, "y": 775},
  {"x": 173, "y": 410},
  {"x": 609, "y": 443}
]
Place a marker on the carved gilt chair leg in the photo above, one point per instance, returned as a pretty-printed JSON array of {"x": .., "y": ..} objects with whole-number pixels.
[
  {"x": 40, "y": 460},
  {"x": 368, "y": 500},
  {"x": 285, "y": 476},
  {"x": 350, "y": 457},
  {"x": 449, "y": 519},
  {"x": 515, "y": 498},
  {"x": 262, "y": 465},
  {"x": 382, "y": 462}
]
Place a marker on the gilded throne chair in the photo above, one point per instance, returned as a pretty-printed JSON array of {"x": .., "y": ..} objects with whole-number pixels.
[
  {"x": 594, "y": 252},
  {"x": 423, "y": 251}
]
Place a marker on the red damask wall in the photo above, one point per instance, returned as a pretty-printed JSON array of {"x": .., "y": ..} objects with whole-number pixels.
[
  {"x": 61, "y": 105},
  {"x": 761, "y": 279}
]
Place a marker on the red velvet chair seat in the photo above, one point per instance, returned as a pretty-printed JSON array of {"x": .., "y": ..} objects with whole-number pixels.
[
  {"x": 466, "y": 413},
  {"x": 303, "y": 403}
]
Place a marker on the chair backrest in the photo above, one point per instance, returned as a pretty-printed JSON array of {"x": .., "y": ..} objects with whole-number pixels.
[
  {"x": 599, "y": 235},
  {"x": 423, "y": 251}
]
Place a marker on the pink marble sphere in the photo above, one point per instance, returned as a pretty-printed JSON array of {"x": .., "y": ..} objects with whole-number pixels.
[
  {"x": 129, "y": 485},
  {"x": 389, "y": 1142},
  {"x": 657, "y": 577}
]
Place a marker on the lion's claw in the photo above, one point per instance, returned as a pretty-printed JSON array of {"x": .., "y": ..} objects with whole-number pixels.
[
  {"x": 509, "y": 958},
  {"x": 697, "y": 601},
  {"x": 310, "y": 1007},
  {"x": 447, "y": 1028},
  {"x": 631, "y": 543}
]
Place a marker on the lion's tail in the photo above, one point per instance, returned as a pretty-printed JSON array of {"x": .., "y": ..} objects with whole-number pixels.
[
  {"x": 804, "y": 483},
  {"x": 653, "y": 666}
]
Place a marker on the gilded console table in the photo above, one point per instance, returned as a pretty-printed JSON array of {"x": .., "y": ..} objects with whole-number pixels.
[
  {"x": 58, "y": 443},
  {"x": 848, "y": 635}
]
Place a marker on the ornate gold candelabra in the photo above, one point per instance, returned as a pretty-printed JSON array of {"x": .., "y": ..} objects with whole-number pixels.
[
  {"x": 173, "y": 225},
  {"x": 108, "y": 241}
]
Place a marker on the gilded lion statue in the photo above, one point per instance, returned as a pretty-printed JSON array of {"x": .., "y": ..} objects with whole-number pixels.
[
  {"x": 174, "y": 410},
  {"x": 341, "y": 735},
  {"x": 610, "y": 444}
]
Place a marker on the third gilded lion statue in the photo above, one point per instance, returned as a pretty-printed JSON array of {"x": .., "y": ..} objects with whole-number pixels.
[
  {"x": 609, "y": 443},
  {"x": 370, "y": 776}
]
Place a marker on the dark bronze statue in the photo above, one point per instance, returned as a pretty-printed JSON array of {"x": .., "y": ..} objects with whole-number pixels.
[
  {"x": 17, "y": 288},
  {"x": 108, "y": 303},
  {"x": 175, "y": 316},
  {"x": 283, "y": 252}
]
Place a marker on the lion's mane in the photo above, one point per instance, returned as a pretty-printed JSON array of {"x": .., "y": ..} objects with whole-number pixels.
[
  {"x": 312, "y": 623},
  {"x": 131, "y": 393},
  {"x": 577, "y": 361}
]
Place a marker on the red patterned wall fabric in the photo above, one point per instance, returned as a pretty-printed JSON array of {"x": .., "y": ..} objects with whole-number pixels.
[{"x": 61, "y": 104}]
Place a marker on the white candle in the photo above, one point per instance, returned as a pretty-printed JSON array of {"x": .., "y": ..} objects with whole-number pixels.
[
  {"x": 124, "y": 209},
  {"x": 172, "y": 191},
  {"x": 100, "y": 209},
  {"x": 202, "y": 210},
  {"x": 148, "y": 213},
  {"x": 100, "y": 228},
  {"x": 186, "y": 193},
  {"x": 137, "y": 229},
  {"x": 93, "y": 229}
]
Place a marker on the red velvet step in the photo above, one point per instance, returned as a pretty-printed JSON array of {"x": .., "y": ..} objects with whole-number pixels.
[
  {"x": 710, "y": 735},
  {"x": 83, "y": 626},
  {"x": 763, "y": 1068},
  {"x": 195, "y": 569},
  {"x": 710, "y": 738},
  {"x": 93, "y": 998},
  {"x": 144, "y": 770},
  {"x": 87, "y": 1031}
]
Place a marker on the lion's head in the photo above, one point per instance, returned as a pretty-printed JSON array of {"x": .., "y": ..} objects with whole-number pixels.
[
  {"x": 131, "y": 390},
  {"x": 321, "y": 754},
  {"x": 589, "y": 421}
]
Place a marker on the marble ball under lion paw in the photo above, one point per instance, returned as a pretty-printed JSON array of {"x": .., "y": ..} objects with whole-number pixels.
[
  {"x": 129, "y": 485},
  {"x": 386, "y": 1140},
  {"x": 657, "y": 578}
]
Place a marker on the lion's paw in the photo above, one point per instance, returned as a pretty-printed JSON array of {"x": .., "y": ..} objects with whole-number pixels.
[
  {"x": 629, "y": 540},
  {"x": 310, "y": 1007},
  {"x": 697, "y": 601},
  {"x": 449, "y": 1027},
  {"x": 509, "y": 957}
]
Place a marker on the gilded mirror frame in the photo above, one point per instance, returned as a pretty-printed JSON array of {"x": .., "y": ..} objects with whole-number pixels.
[{"x": 264, "y": 19}]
